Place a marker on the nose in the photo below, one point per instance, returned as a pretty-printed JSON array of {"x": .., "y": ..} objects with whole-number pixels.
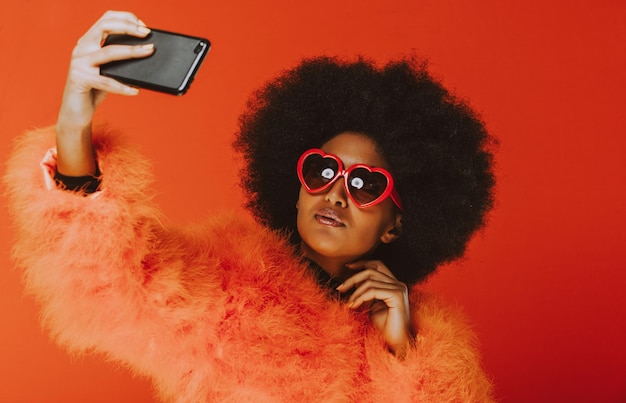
[{"x": 337, "y": 194}]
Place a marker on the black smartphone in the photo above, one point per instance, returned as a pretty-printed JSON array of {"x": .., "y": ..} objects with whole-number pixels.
[{"x": 170, "y": 69}]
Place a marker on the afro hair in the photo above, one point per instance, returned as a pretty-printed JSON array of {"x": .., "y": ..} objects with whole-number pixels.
[{"x": 437, "y": 147}]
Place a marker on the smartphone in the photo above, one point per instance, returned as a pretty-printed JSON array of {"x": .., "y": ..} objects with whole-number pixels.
[{"x": 170, "y": 69}]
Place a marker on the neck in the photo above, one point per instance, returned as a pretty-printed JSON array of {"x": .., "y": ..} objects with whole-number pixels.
[{"x": 334, "y": 266}]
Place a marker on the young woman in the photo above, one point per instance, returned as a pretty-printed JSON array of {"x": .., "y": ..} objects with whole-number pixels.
[{"x": 364, "y": 180}]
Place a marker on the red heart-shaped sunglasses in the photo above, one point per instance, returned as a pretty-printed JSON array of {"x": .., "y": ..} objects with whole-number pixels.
[{"x": 365, "y": 185}]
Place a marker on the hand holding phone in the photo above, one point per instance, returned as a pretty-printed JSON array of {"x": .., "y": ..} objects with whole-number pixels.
[
  {"x": 170, "y": 69},
  {"x": 85, "y": 87}
]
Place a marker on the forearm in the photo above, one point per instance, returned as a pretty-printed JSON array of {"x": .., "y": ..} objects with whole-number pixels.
[
  {"x": 83, "y": 256},
  {"x": 75, "y": 151},
  {"x": 53, "y": 219}
]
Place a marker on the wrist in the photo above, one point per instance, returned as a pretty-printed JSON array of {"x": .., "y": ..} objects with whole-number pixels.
[
  {"x": 401, "y": 346},
  {"x": 72, "y": 124}
]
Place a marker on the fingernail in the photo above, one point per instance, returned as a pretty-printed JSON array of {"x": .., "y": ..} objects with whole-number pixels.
[
  {"x": 140, "y": 22},
  {"x": 143, "y": 30},
  {"x": 148, "y": 46},
  {"x": 131, "y": 90},
  {"x": 339, "y": 286}
]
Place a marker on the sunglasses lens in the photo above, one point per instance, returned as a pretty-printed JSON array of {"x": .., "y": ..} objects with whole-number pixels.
[
  {"x": 318, "y": 171},
  {"x": 366, "y": 186}
]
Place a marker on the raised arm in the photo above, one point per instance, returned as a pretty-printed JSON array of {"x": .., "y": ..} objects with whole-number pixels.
[{"x": 86, "y": 88}]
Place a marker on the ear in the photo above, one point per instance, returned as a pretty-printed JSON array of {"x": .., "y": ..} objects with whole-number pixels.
[{"x": 394, "y": 231}]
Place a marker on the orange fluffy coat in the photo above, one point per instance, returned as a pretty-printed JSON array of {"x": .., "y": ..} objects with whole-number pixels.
[{"x": 220, "y": 311}]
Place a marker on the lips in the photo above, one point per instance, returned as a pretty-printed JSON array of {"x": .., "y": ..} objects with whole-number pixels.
[{"x": 327, "y": 216}]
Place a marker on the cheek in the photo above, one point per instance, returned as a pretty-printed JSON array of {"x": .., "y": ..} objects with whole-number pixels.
[
  {"x": 301, "y": 198},
  {"x": 376, "y": 222},
  {"x": 306, "y": 199},
  {"x": 301, "y": 206}
]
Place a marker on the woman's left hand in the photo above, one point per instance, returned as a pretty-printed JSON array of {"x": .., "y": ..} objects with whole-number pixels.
[{"x": 388, "y": 301}]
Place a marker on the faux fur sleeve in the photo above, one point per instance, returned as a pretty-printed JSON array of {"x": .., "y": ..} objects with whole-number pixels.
[
  {"x": 443, "y": 365},
  {"x": 94, "y": 262}
]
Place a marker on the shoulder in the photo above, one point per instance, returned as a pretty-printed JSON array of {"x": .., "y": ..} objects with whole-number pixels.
[
  {"x": 442, "y": 328},
  {"x": 236, "y": 235},
  {"x": 447, "y": 344},
  {"x": 235, "y": 245},
  {"x": 443, "y": 365}
]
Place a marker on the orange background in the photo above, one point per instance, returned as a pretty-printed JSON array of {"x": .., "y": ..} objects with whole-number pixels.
[{"x": 543, "y": 284}]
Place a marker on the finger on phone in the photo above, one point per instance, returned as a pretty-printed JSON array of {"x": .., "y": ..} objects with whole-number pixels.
[
  {"x": 116, "y": 22},
  {"x": 112, "y": 53},
  {"x": 113, "y": 86}
]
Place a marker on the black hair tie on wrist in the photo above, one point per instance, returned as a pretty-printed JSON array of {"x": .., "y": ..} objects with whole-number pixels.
[{"x": 87, "y": 184}]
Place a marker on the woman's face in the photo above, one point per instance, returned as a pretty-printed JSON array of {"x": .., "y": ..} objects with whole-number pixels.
[{"x": 333, "y": 230}]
